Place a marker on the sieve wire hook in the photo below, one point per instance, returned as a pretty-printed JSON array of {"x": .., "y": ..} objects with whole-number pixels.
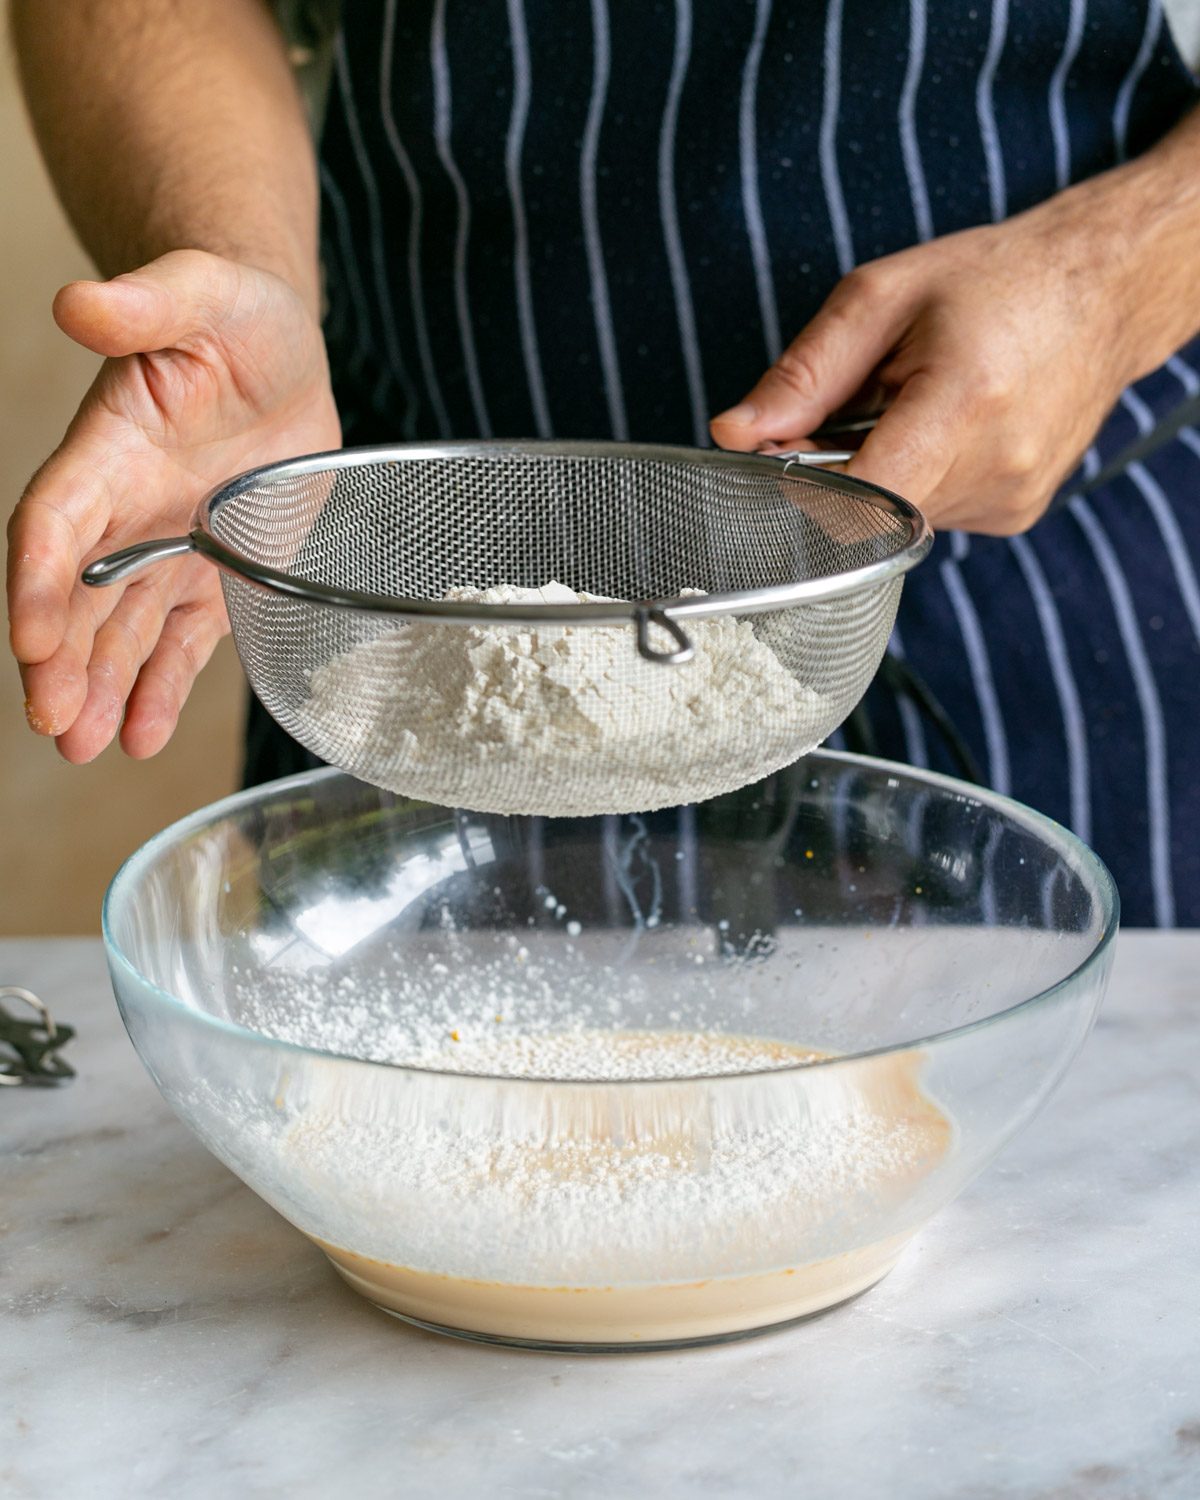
[{"x": 684, "y": 650}]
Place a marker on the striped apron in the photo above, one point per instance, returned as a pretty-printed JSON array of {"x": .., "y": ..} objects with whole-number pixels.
[{"x": 602, "y": 218}]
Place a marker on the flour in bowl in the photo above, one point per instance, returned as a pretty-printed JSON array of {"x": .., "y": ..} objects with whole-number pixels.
[
  {"x": 615, "y": 1212},
  {"x": 617, "y": 1169},
  {"x": 560, "y": 720}
]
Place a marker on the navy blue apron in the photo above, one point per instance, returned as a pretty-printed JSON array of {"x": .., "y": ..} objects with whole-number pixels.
[{"x": 603, "y": 218}]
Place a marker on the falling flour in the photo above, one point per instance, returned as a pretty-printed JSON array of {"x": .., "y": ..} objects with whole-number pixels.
[{"x": 559, "y": 720}]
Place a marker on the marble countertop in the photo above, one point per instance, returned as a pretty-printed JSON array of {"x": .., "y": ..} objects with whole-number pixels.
[{"x": 165, "y": 1333}]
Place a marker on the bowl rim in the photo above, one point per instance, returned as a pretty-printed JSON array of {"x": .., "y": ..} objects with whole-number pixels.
[{"x": 211, "y": 813}]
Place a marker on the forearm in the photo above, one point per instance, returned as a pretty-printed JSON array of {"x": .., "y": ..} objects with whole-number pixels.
[
  {"x": 173, "y": 124},
  {"x": 1142, "y": 221}
]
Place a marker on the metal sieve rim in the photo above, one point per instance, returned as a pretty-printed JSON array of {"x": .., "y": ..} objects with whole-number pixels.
[{"x": 733, "y": 601}]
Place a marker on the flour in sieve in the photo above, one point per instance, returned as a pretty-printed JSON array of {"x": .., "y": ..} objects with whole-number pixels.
[{"x": 566, "y": 721}]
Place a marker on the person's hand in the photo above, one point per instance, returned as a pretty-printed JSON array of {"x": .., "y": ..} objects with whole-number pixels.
[
  {"x": 212, "y": 368},
  {"x": 994, "y": 355}
]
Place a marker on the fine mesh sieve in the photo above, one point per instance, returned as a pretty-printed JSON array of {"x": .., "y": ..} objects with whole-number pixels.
[{"x": 798, "y": 569}]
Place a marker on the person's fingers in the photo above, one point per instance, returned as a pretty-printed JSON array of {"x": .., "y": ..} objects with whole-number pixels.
[
  {"x": 801, "y": 445},
  {"x": 159, "y": 306},
  {"x": 57, "y": 688},
  {"x": 42, "y": 553},
  {"x": 1004, "y": 488},
  {"x": 121, "y": 645},
  {"x": 915, "y": 443},
  {"x": 823, "y": 368},
  {"x": 189, "y": 637},
  {"x": 61, "y": 516}
]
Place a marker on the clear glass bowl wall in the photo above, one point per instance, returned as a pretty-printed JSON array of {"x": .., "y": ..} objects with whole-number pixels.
[{"x": 895, "y": 918}]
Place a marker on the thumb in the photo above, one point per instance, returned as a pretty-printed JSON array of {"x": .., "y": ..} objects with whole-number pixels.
[
  {"x": 162, "y": 305},
  {"x": 821, "y": 369}
]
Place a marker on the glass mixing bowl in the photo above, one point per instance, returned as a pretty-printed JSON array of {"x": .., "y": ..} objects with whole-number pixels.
[{"x": 828, "y": 1001}]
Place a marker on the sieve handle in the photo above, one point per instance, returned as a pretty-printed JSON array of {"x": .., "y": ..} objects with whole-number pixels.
[
  {"x": 119, "y": 565},
  {"x": 684, "y": 650},
  {"x": 834, "y": 429},
  {"x": 814, "y": 460}
]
